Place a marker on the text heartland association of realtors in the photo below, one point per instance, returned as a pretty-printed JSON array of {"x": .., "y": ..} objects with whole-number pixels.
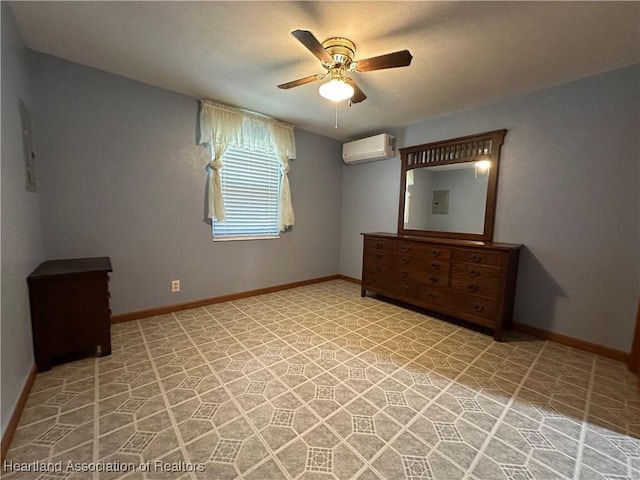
[{"x": 115, "y": 466}]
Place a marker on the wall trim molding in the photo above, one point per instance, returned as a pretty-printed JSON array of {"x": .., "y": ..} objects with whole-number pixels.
[
  {"x": 350, "y": 279},
  {"x": 521, "y": 327},
  {"x": 634, "y": 356},
  {"x": 28, "y": 385},
  {"x": 17, "y": 413},
  {"x": 127, "y": 317},
  {"x": 573, "y": 342},
  {"x": 566, "y": 340}
]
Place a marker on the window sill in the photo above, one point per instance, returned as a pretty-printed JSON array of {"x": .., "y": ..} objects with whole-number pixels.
[{"x": 257, "y": 237}]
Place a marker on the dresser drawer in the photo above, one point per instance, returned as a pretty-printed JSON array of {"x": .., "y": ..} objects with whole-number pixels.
[
  {"x": 465, "y": 272},
  {"x": 377, "y": 269},
  {"x": 469, "y": 280},
  {"x": 477, "y": 256},
  {"x": 434, "y": 272},
  {"x": 472, "y": 287},
  {"x": 378, "y": 244},
  {"x": 476, "y": 306},
  {"x": 378, "y": 257},
  {"x": 428, "y": 250},
  {"x": 403, "y": 287}
]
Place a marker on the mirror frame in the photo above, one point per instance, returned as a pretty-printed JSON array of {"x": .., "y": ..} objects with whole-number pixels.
[{"x": 472, "y": 148}]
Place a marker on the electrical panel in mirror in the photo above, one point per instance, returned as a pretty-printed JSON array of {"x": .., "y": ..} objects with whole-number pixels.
[{"x": 449, "y": 188}]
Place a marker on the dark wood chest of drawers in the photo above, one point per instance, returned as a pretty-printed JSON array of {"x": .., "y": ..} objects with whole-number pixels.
[
  {"x": 70, "y": 313},
  {"x": 473, "y": 281}
]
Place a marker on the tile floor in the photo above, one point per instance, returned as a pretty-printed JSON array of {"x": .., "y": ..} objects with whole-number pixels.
[{"x": 319, "y": 383}]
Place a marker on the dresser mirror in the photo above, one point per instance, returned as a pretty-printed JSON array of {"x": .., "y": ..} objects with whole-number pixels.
[{"x": 448, "y": 189}]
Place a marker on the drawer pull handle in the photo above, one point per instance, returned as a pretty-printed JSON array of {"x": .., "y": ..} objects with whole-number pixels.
[
  {"x": 474, "y": 272},
  {"x": 404, "y": 273},
  {"x": 434, "y": 279},
  {"x": 379, "y": 245},
  {"x": 473, "y": 288},
  {"x": 404, "y": 260},
  {"x": 406, "y": 248},
  {"x": 435, "y": 266},
  {"x": 478, "y": 307},
  {"x": 373, "y": 280},
  {"x": 378, "y": 256},
  {"x": 432, "y": 295},
  {"x": 378, "y": 268},
  {"x": 476, "y": 258},
  {"x": 404, "y": 288},
  {"x": 435, "y": 253}
]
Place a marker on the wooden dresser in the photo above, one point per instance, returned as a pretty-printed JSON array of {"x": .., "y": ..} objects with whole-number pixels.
[
  {"x": 470, "y": 280},
  {"x": 70, "y": 308}
]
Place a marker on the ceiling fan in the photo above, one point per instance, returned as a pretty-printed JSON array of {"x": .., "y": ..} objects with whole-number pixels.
[{"x": 337, "y": 57}]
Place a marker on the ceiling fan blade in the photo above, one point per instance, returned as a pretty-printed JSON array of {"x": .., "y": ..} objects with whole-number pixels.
[
  {"x": 301, "y": 81},
  {"x": 390, "y": 60},
  {"x": 306, "y": 38},
  {"x": 358, "y": 95}
]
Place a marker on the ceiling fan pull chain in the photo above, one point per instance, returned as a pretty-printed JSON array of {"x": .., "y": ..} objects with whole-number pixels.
[{"x": 336, "y": 116}]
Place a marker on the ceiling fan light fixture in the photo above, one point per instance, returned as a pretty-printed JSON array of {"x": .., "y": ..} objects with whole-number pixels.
[{"x": 336, "y": 90}]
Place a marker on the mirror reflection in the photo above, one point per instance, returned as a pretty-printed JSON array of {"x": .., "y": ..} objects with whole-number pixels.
[{"x": 447, "y": 198}]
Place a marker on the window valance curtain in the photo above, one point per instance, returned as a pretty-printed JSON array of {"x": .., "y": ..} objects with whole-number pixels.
[{"x": 222, "y": 127}]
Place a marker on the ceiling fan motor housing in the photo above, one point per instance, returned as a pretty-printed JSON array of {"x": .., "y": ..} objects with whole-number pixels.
[
  {"x": 336, "y": 55},
  {"x": 341, "y": 49}
]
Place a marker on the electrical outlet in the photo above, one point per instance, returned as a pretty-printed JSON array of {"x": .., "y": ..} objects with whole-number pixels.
[{"x": 175, "y": 285}]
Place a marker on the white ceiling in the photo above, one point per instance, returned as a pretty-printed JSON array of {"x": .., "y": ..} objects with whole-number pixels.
[{"x": 465, "y": 53}]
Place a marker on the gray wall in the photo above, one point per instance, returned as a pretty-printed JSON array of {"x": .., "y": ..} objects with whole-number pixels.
[
  {"x": 22, "y": 246},
  {"x": 568, "y": 190},
  {"x": 369, "y": 204},
  {"x": 122, "y": 177}
]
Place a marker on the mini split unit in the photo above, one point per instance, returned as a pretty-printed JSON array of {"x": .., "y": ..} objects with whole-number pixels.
[{"x": 378, "y": 147}]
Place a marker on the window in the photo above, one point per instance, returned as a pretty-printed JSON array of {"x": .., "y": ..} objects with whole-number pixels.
[
  {"x": 251, "y": 192},
  {"x": 255, "y": 184}
]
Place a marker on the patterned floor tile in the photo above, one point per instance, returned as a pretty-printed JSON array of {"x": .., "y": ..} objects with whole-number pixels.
[
  {"x": 542, "y": 444},
  {"x": 317, "y": 382},
  {"x": 269, "y": 469},
  {"x": 364, "y": 427},
  {"x": 324, "y": 394},
  {"x": 294, "y": 458},
  {"x": 489, "y": 468},
  {"x": 255, "y": 389},
  {"x": 406, "y": 458},
  {"x": 454, "y": 438}
]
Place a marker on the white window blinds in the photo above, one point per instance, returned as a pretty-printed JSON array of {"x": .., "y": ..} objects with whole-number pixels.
[
  {"x": 251, "y": 189},
  {"x": 222, "y": 127}
]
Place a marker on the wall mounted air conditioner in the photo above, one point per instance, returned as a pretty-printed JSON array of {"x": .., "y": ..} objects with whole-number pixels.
[{"x": 378, "y": 147}]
